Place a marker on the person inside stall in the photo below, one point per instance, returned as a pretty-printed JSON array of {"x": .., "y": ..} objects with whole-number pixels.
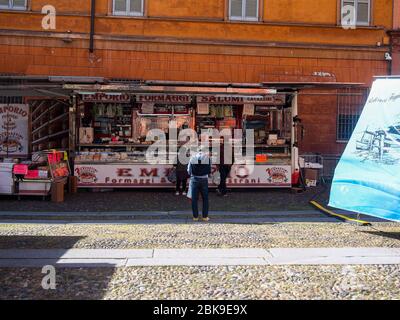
[{"x": 224, "y": 167}]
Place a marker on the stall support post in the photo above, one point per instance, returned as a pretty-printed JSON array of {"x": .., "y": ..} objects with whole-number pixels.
[
  {"x": 295, "y": 148},
  {"x": 72, "y": 127}
]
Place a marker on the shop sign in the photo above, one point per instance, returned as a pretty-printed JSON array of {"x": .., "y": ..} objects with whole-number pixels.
[
  {"x": 163, "y": 98},
  {"x": 261, "y": 176},
  {"x": 276, "y": 99},
  {"x": 138, "y": 175},
  {"x": 106, "y": 97},
  {"x": 121, "y": 176},
  {"x": 14, "y": 119}
]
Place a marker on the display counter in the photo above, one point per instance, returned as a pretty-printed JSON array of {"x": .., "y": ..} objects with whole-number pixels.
[
  {"x": 112, "y": 145},
  {"x": 131, "y": 175},
  {"x": 131, "y": 170}
]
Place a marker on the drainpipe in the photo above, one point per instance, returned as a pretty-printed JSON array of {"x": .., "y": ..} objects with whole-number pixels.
[
  {"x": 390, "y": 62},
  {"x": 396, "y": 14},
  {"x": 92, "y": 20}
]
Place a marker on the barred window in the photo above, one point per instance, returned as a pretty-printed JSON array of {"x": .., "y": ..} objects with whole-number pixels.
[
  {"x": 11, "y": 100},
  {"x": 244, "y": 10},
  {"x": 128, "y": 7},
  {"x": 362, "y": 11},
  {"x": 350, "y": 104},
  {"x": 13, "y": 4}
]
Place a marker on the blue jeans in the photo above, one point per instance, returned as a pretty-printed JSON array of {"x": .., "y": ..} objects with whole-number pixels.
[{"x": 199, "y": 186}]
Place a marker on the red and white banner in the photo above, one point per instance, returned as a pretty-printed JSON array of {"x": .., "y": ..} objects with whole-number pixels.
[{"x": 147, "y": 176}]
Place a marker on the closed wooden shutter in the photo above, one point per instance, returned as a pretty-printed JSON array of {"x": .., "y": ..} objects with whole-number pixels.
[
  {"x": 251, "y": 10},
  {"x": 136, "y": 6},
  {"x": 19, "y": 4},
  {"x": 120, "y": 6},
  {"x": 363, "y": 12},
  {"x": 236, "y": 8}
]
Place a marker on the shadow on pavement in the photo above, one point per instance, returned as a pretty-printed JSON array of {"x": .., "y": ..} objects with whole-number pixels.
[
  {"x": 21, "y": 270},
  {"x": 390, "y": 235},
  {"x": 241, "y": 200},
  {"x": 38, "y": 242}
]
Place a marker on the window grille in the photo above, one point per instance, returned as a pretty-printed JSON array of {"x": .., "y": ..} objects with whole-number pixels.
[{"x": 350, "y": 103}]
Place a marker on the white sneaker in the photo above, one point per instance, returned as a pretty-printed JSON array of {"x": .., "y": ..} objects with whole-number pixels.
[
  {"x": 184, "y": 193},
  {"x": 177, "y": 193}
]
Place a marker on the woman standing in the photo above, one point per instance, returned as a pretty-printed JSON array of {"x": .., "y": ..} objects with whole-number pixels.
[{"x": 181, "y": 178}]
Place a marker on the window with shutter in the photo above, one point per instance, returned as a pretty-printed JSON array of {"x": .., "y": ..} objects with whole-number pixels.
[
  {"x": 236, "y": 9},
  {"x": 362, "y": 11},
  {"x": 128, "y": 7},
  {"x": 243, "y": 10},
  {"x": 13, "y": 4},
  {"x": 251, "y": 8}
]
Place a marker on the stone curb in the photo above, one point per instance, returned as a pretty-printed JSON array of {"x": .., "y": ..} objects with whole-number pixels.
[{"x": 103, "y": 258}]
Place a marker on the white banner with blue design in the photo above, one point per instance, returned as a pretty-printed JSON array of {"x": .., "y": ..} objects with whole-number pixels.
[{"x": 367, "y": 178}]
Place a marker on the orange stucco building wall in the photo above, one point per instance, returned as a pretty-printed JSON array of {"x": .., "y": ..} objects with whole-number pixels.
[
  {"x": 193, "y": 40},
  {"x": 396, "y": 38}
]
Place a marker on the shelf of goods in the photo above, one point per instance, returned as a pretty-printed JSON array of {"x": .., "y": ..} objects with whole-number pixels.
[
  {"x": 49, "y": 125},
  {"x": 112, "y": 153},
  {"x": 107, "y": 168},
  {"x": 35, "y": 177}
]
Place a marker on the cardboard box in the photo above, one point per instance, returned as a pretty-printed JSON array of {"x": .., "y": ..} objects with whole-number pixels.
[{"x": 311, "y": 177}]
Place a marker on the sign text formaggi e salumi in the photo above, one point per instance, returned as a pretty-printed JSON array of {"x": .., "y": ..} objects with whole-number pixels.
[{"x": 14, "y": 119}]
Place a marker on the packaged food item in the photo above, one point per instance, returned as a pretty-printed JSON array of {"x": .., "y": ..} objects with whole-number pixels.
[{"x": 86, "y": 135}]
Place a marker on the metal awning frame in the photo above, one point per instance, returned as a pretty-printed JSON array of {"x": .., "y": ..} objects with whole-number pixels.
[{"x": 63, "y": 87}]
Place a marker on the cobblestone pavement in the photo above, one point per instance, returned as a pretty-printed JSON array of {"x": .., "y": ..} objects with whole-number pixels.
[
  {"x": 197, "y": 235},
  {"x": 270, "y": 282},
  {"x": 267, "y": 282},
  {"x": 243, "y": 200}
]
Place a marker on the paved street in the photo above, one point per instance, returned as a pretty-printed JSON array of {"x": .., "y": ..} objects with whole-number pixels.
[
  {"x": 276, "y": 260},
  {"x": 149, "y": 235},
  {"x": 243, "y": 200},
  {"x": 223, "y": 282}
]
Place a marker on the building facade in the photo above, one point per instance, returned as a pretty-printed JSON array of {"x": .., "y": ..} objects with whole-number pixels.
[
  {"x": 229, "y": 41},
  {"x": 395, "y": 39}
]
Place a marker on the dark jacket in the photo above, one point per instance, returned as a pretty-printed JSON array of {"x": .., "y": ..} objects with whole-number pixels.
[{"x": 181, "y": 171}]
